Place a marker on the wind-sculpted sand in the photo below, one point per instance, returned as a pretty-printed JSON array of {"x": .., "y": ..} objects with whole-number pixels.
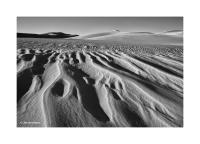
[{"x": 88, "y": 83}]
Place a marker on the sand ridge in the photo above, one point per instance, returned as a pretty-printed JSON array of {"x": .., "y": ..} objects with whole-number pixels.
[{"x": 77, "y": 87}]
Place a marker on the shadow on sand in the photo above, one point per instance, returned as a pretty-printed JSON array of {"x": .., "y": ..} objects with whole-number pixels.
[{"x": 88, "y": 93}]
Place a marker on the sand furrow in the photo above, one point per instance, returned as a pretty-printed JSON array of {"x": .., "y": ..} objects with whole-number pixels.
[{"x": 80, "y": 87}]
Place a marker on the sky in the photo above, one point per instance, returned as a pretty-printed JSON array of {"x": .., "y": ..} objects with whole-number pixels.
[{"x": 89, "y": 25}]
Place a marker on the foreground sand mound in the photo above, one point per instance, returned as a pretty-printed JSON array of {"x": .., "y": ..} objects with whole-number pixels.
[{"x": 74, "y": 83}]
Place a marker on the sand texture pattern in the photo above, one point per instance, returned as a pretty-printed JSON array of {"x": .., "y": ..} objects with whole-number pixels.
[{"x": 98, "y": 83}]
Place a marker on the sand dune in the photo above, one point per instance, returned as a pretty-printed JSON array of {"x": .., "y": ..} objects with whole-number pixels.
[
  {"x": 141, "y": 38},
  {"x": 97, "y": 35},
  {"x": 87, "y": 83},
  {"x": 178, "y": 33}
]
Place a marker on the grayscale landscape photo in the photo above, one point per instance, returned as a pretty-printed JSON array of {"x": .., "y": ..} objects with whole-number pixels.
[{"x": 99, "y": 71}]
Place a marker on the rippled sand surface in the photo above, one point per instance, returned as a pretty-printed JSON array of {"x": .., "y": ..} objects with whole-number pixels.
[{"x": 95, "y": 83}]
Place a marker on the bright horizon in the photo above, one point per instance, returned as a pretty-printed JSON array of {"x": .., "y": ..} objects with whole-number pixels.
[{"x": 89, "y": 25}]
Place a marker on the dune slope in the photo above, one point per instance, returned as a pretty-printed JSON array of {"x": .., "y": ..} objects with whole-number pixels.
[
  {"x": 80, "y": 83},
  {"x": 167, "y": 38}
]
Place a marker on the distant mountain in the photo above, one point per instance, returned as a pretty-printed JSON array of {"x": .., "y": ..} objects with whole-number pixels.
[{"x": 45, "y": 35}]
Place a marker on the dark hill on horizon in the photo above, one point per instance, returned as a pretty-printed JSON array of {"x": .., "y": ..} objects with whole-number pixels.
[{"x": 46, "y": 35}]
